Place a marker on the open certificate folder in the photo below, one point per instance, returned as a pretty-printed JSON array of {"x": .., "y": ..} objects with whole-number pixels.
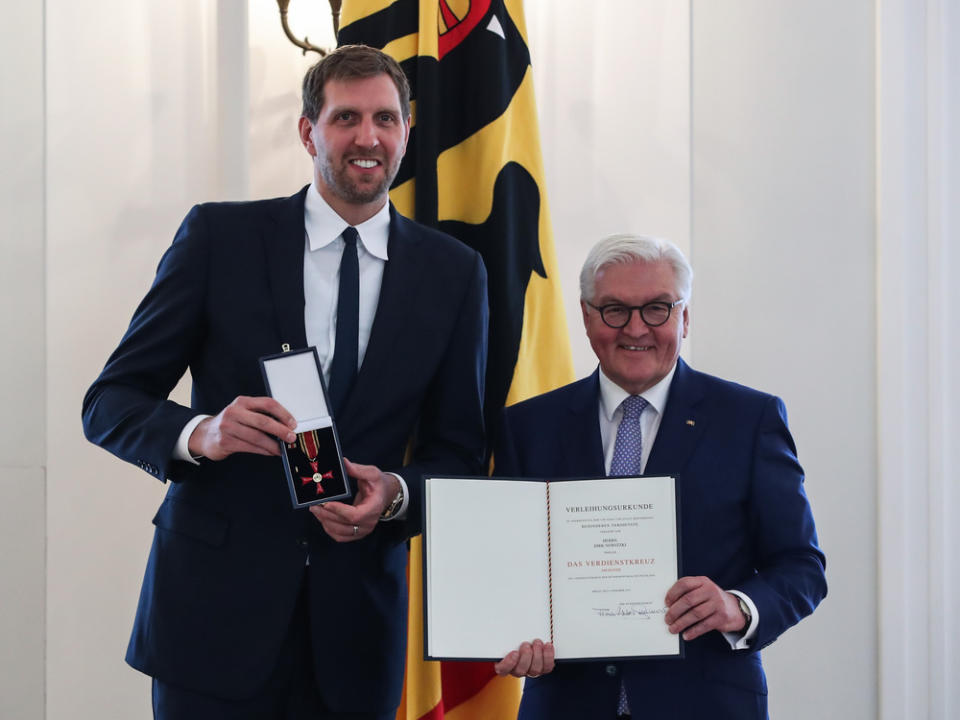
[{"x": 584, "y": 563}]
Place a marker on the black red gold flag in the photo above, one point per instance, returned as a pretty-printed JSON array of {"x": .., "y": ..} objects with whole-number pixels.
[{"x": 473, "y": 168}]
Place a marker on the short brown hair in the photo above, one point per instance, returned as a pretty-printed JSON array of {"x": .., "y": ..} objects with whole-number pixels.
[{"x": 351, "y": 62}]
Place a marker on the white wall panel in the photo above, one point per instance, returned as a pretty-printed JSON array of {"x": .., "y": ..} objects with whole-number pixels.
[
  {"x": 132, "y": 142},
  {"x": 22, "y": 376},
  {"x": 22, "y": 592},
  {"x": 783, "y": 250},
  {"x": 918, "y": 191}
]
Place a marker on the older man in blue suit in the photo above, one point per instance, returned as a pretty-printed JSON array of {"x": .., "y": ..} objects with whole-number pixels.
[
  {"x": 749, "y": 545},
  {"x": 249, "y": 608}
]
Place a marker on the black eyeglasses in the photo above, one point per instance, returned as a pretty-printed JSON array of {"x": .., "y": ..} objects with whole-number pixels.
[{"x": 654, "y": 313}]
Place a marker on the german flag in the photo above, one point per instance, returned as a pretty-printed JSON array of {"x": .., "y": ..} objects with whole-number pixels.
[{"x": 473, "y": 169}]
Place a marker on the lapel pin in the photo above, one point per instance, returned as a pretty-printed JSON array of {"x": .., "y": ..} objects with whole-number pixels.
[
  {"x": 285, "y": 347},
  {"x": 691, "y": 423}
]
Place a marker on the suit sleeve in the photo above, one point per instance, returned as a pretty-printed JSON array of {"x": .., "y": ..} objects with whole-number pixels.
[
  {"x": 450, "y": 435},
  {"x": 126, "y": 410},
  {"x": 789, "y": 580}
]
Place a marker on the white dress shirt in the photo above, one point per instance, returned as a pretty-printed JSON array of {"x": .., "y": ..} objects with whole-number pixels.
[
  {"x": 611, "y": 397},
  {"x": 321, "y": 273}
]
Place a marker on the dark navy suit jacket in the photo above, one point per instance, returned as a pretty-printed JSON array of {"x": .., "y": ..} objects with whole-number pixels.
[
  {"x": 745, "y": 523},
  {"x": 229, "y": 552}
]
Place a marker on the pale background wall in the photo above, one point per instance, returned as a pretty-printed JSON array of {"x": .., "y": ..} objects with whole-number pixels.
[
  {"x": 758, "y": 135},
  {"x": 783, "y": 237},
  {"x": 22, "y": 378}
]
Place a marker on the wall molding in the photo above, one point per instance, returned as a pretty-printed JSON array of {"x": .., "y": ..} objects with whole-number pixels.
[{"x": 917, "y": 383}]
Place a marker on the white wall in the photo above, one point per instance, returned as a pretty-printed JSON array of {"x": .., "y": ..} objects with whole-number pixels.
[
  {"x": 783, "y": 248},
  {"x": 745, "y": 131},
  {"x": 22, "y": 378},
  {"x": 918, "y": 351}
]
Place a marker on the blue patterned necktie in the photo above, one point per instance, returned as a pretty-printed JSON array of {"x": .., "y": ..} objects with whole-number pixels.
[
  {"x": 628, "y": 460},
  {"x": 628, "y": 447},
  {"x": 343, "y": 368}
]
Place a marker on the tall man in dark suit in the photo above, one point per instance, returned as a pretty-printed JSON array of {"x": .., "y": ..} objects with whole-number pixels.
[
  {"x": 250, "y": 609},
  {"x": 749, "y": 546}
]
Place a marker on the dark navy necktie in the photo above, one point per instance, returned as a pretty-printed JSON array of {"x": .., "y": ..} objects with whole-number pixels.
[{"x": 343, "y": 369}]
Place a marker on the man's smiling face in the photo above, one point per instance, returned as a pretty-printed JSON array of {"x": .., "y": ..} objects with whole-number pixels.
[
  {"x": 636, "y": 357},
  {"x": 358, "y": 141}
]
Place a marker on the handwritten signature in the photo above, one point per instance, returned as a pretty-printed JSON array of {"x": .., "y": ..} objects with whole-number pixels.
[{"x": 625, "y": 610}]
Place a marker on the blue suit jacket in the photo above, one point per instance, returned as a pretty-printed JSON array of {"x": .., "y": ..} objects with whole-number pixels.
[
  {"x": 745, "y": 523},
  {"x": 229, "y": 552}
]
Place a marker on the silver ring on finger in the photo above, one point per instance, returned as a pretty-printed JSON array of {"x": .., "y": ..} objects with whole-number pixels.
[{"x": 356, "y": 529}]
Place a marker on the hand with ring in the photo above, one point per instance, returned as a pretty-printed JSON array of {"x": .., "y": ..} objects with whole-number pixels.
[{"x": 375, "y": 491}]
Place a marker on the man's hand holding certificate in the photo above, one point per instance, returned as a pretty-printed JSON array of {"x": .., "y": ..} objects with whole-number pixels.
[{"x": 696, "y": 605}]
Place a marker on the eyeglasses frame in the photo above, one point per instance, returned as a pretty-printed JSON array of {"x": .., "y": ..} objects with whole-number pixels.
[{"x": 639, "y": 308}]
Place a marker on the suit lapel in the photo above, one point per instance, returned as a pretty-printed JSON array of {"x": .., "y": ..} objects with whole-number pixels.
[
  {"x": 582, "y": 448},
  {"x": 283, "y": 243},
  {"x": 682, "y": 424}
]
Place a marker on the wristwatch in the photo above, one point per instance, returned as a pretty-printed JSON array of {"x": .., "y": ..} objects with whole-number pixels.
[
  {"x": 394, "y": 506},
  {"x": 745, "y": 609}
]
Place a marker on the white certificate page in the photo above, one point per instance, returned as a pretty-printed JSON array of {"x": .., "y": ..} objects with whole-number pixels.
[
  {"x": 485, "y": 566},
  {"x": 614, "y": 556}
]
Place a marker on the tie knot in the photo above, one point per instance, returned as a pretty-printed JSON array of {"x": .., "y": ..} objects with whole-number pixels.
[
  {"x": 350, "y": 236},
  {"x": 633, "y": 406}
]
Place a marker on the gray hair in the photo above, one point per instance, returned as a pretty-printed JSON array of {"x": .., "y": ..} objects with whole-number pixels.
[{"x": 629, "y": 248}]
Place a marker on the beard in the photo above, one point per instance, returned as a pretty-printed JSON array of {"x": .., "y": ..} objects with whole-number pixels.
[{"x": 337, "y": 178}]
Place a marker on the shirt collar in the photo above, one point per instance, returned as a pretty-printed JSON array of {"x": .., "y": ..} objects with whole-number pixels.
[
  {"x": 323, "y": 225},
  {"x": 611, "y": 394}
]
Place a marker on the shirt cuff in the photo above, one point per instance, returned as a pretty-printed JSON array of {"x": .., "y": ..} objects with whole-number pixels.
[
  {"x": 741, "y": 640},
  {"x": 181, "y": 451},
  {"x": 402, "y": 512}
]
